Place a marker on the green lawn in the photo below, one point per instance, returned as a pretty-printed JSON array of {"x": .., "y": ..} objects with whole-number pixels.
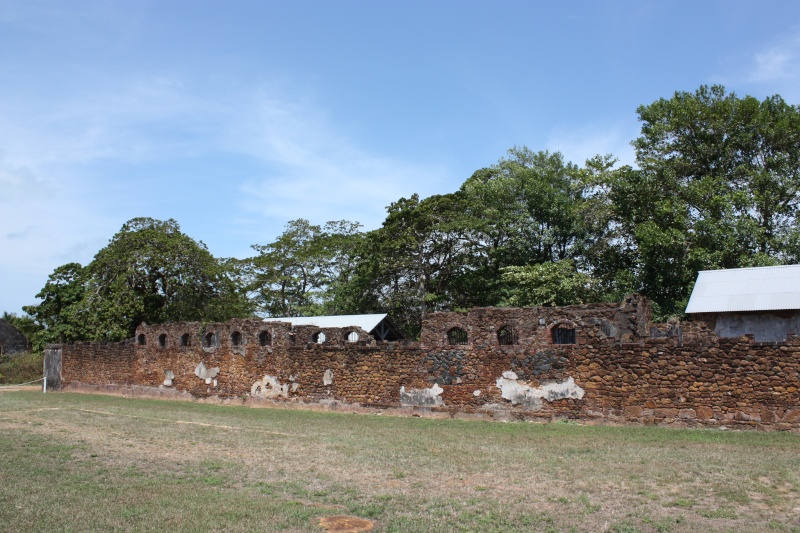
[{"x": 87, "y": 462}]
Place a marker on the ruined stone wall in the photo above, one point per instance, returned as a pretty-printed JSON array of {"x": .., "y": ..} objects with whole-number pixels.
[
  {"x": 505, "y": 363},
  {"x": 287, "y": 363},
  {"x": 98, "y": 363},
  {"x": 660, "y": 379}
]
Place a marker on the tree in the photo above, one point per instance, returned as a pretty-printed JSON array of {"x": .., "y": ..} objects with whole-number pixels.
[
  {"x": 55, "y": 315},
  {"x": 735, "y": 163},
  {"x": 548, "y": 284},
  {"x": 415, "y": 262},
  {"x": 718, "y": 186},
  {"x": 534, "y": 199},
  {"x": 302, "y": 273},
  {"x": 533, "y": 208},
  {"x": 149, "y": 272}
]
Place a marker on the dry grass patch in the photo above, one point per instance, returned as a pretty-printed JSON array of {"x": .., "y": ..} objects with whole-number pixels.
[{"x": 157, "y": 464}]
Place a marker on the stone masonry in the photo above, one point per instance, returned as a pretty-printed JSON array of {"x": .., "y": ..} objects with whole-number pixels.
[{"x": 587, "y": 362}]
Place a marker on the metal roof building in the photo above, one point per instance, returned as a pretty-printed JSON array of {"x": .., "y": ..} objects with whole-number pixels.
[
  {"x": 761, "y": 301},
  {"x": 379, "y": 325},
  {"x": 773, "y": 288}
]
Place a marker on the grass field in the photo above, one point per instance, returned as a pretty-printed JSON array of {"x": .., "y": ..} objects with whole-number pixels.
[{"x": 85, "y": 462}]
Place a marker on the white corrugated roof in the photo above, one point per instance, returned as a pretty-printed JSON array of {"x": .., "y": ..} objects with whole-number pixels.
[
  {"x": 365, "y": 322},
  {"x": 746, "y": 289}
]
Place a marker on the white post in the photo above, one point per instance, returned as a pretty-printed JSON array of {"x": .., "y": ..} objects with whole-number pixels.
[{"x": 45, "y": 385}]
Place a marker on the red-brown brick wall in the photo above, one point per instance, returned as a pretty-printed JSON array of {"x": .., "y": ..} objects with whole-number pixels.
[{"x": 628, "y": 369}]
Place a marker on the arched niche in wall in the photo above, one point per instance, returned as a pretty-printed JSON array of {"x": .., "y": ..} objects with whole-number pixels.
[
  {"x": 507, "y": 336},
  {"x": 456, "y": 336},
  {"x": 209, "y": 340},
  {"x": 264, "y": 338},
  {"x": 563, "y": 334},
  {"x": 236, "y": 338}
]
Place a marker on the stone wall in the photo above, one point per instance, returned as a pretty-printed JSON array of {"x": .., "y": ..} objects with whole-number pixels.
[
  {"x": 602, "y": 361},
  {"x": 12, "y": 340},
  {"x": 96, "y": 363}
]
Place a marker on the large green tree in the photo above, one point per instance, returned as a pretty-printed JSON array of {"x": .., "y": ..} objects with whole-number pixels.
[
  {"x": 149, "y": 272},
  {"x": 549, "y": 284},
  {"x": 55, "y": 317},
  {"x": 510, "y": 228},
  {"x": 534, "y": 208},
  {"x": 718, "y": 186},
  {"x": 303, "y": 271},
  {"x": 415, "y": 262}
]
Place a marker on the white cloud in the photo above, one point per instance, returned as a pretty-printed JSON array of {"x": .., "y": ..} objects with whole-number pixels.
[
  {"x": 107, "y": 121},
  {"x": 585, "y": 142},
  {"x": 61, "y": 158},
  {"x": 44, "y": 224},
  {"x": 778, "y": 62},
  {"x": 52, "y": 210},
  {"x": 316, "y": 171},
  {"x": 774, "y": 68}
]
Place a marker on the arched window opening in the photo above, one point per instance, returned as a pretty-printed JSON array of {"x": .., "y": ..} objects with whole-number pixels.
[
  {"x": 209, "y": 340},
  {"x": 506, "y": 336},
  {"x": 162, "y": 340},
  {"x": 563, "y": 335},
  {"x": 264, "y": 338},
  {"x": 318, "y": 337},
  {"x": 351, "y": 336},
  {"x": 457, "y": 336},
  {"x": 141, "y": 339},
  {"x": 185, "y": 339},
  {"x": 236, "y": 338}
]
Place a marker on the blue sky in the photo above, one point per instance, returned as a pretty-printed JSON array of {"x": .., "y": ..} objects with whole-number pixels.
[{"x": 235, "y": 117}]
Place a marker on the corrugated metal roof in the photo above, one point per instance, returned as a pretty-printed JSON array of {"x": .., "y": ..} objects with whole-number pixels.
[
  {"x": 746, "y": 289},
  {"x": 365, "y": 322}
]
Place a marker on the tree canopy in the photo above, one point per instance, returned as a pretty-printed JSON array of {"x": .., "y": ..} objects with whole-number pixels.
[
  {"x": 149, "y": 272},
  {"x": 302, "y": 272},
  {"x": 716, "y": 185}
]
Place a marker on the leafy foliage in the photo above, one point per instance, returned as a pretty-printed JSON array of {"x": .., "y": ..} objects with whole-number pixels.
[
  {"x": 21, "y": 368},
  {"x": 717, "y": 186},
  {"x": 302, "y": 272},
  {"x": 149, "y": 272},
  {"x": 548, "y": 284},
  {"x": 414, "y": 263}
]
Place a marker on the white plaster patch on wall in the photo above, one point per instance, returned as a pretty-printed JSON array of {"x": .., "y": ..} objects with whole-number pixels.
[
  {"x": 169, "y": 375},
  {"x": 519, "y": 392},
  {"x": 270, "y": 387},
  {"x": 430, "y": 397},
  {"x": 206, "y": 374},
  {"x": 327, "y": 377}
]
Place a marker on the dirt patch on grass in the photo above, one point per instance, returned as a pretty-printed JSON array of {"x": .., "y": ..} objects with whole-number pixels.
[
  {"x": 17, "y": 388},
  {"x": 345, "y": 524}
]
